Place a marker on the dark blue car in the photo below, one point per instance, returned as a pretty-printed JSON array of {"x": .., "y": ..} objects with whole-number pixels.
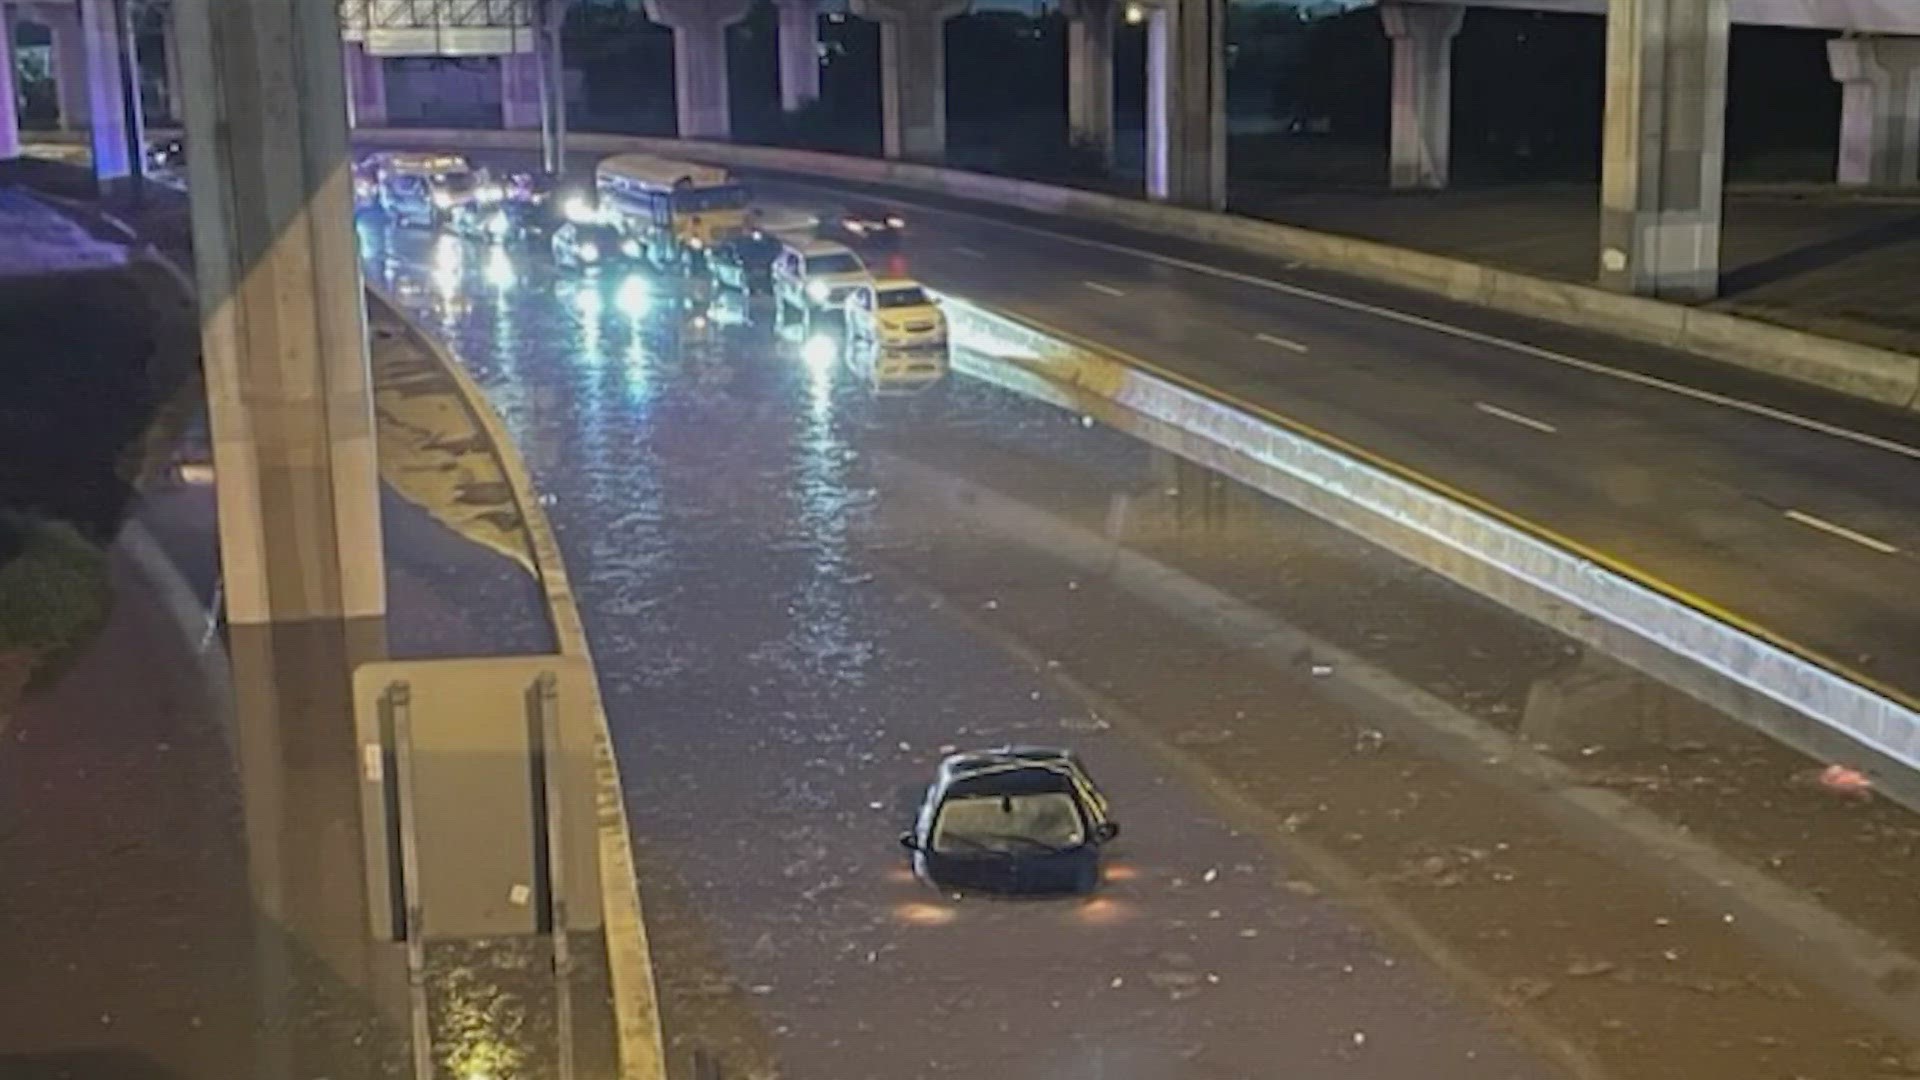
[{"x": 1020, "y": 820}]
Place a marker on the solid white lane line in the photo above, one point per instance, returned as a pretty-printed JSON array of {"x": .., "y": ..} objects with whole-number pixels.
[
  {"x": 1099, "y": 288},
  {"x": 1843, "y": 532},
  {"x": 1517, "y": 418},
  {"x": 1407, "y": 318},
  {"x": 971, "y": 253},
  {"x": 1284, "y": 343}
]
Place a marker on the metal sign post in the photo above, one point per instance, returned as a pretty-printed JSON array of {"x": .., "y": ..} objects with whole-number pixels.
[
  {"x": 550, "y": 780},
  {"x": 400, "y": 701}
]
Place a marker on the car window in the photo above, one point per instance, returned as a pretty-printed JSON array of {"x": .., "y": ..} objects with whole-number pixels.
[
  {"x": 904, "y": 297},
  {"x": 837, "y": 262},
  {"x": 1007, "y": 824}
]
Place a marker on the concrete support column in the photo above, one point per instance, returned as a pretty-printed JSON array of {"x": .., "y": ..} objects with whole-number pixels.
[
  {"x": 1187, "y": 103},
  {"x": 9, "y": 98},
  {"x": 1879, "y": 79},
  {"x": 290, "y": 405},
  {"x": 366, "y": 76},
  {"x": 913, "y": 74},
  {"x": 176, "y": 99},
  {"x": 700, "y": 91},
  {"x": 1090, "y": 72},
  {"x": 520, "y": 102},
  {"x": 289, "y": 393},
  {"x": 69, "y": 68},
  {"x": 1664, "y": 147},
  {"x": 799, "y": 52},
  {"x": 112, "y": 111},
  {"x": 1422, "y": 135}
]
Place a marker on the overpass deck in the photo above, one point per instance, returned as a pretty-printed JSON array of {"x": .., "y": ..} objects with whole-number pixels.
[{"x": 1818, "y": 258}]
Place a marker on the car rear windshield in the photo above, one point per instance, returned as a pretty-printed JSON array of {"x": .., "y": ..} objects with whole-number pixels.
[
  {"x": 897, "y": 298},
  {"x": 842, "y": 262},
  {"x": 1010, "y": 824}
]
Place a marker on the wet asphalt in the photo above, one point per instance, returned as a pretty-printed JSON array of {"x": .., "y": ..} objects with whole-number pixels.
[{"x": 801, "y": 592}]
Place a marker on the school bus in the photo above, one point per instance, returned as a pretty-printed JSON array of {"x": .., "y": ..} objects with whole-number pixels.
[{"x": 677, "y": 209}]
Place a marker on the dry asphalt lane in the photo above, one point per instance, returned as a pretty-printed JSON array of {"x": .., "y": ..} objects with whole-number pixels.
[{"x": 791, "y": 628}]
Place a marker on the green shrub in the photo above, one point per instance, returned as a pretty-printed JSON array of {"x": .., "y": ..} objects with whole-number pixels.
[{"x": 54, "y": 590}]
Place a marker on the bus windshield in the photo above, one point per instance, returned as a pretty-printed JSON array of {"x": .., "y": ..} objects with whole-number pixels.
[{"x": 700, "y": 200}]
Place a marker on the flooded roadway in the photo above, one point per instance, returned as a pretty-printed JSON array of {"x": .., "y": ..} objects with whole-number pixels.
[{"x": 800, "y": 593}]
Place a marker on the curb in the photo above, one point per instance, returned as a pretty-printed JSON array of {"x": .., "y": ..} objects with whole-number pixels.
[{"x": 642, "y": 1044}]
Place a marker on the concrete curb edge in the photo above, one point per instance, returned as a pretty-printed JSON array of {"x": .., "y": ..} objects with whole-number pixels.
[{"x": 642, "y": 1044}]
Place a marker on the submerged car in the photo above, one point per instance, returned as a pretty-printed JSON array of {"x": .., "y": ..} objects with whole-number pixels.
[
  {"x": 896, "y": 314},
  {"x": 1013, "y": 819},
  {"x": 744, "y": 263},
  {"x": 590, "y": 245},
  {"x": 503, "y": 222}
]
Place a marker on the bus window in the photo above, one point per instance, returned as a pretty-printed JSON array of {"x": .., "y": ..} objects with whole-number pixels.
[{"x": 725, "y": 197}]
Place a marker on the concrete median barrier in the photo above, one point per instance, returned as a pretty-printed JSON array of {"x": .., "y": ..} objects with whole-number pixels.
[
  {"x": 1793, "y": 695},
  {"x": 1860, "y": 371}
]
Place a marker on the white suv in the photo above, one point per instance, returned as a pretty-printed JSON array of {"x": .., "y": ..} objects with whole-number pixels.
[{"x": 815, "y": 275}]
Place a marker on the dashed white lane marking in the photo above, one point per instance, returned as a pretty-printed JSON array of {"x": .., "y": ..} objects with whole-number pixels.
[
  {"x": 1842, "y": 532},
  {"x": 1513, "y": 417},
  {"x": 971, "y": 253},
  {"x": 1285, "y": 343},
  {"x": 1099, "y": 288}
]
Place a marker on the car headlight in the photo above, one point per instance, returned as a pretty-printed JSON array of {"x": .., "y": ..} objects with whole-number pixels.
[
  {"x": 818, "y": 290},
  {"x": 490, "y": 193},
  {"x": 442, "y": 199},
  {"x": 896, "y": 223},
  {"x": 630, "y": 248},
  {"x": 857, "y": 228},
  {"x": 590, "y": 252},
  {"x": 498, "y": 225},
  {"x": 696, "y": 243}
]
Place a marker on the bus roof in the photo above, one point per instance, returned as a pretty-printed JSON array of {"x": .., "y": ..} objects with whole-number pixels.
[
  {"x": 403, "y": 161},
  {"x": 663, "y": 173}
]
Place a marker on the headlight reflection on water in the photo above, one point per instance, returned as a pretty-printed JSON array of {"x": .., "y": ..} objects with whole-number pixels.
[
  {"x": 634, "y": 297},
  {"x": 448, "y": 255},
  {"x": 500, "y": 271},
  {"x": 819, "y": 353}
]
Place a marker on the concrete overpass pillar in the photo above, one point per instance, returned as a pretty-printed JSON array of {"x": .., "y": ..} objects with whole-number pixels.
[
  {"x": 1187, "y": 103},
  {"x": 290, "y": 406},
  {"x": 114, "y": 114},
  {"x": 913, "y": 74},
  {"x": 700, "y": 62},
  {"x": 799, "y": 52},
  {"x": 176, "y": 100},
  {"x": 1664, "y": 147},
  {"x": 1090, "y": 73},
  {"x": 1879, "y": 79},
  {"x": 69, "y": 55},
  {"x": 283, "y": 322},
  {"x": 520, "y": 102},
  {"x": 366, "y": 80},
  {"x": 9, "y": 99},
  {"x": 1422, "y": 132}
]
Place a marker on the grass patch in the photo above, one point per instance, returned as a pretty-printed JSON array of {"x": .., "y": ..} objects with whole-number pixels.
[{"x": 54, "y": 590}]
